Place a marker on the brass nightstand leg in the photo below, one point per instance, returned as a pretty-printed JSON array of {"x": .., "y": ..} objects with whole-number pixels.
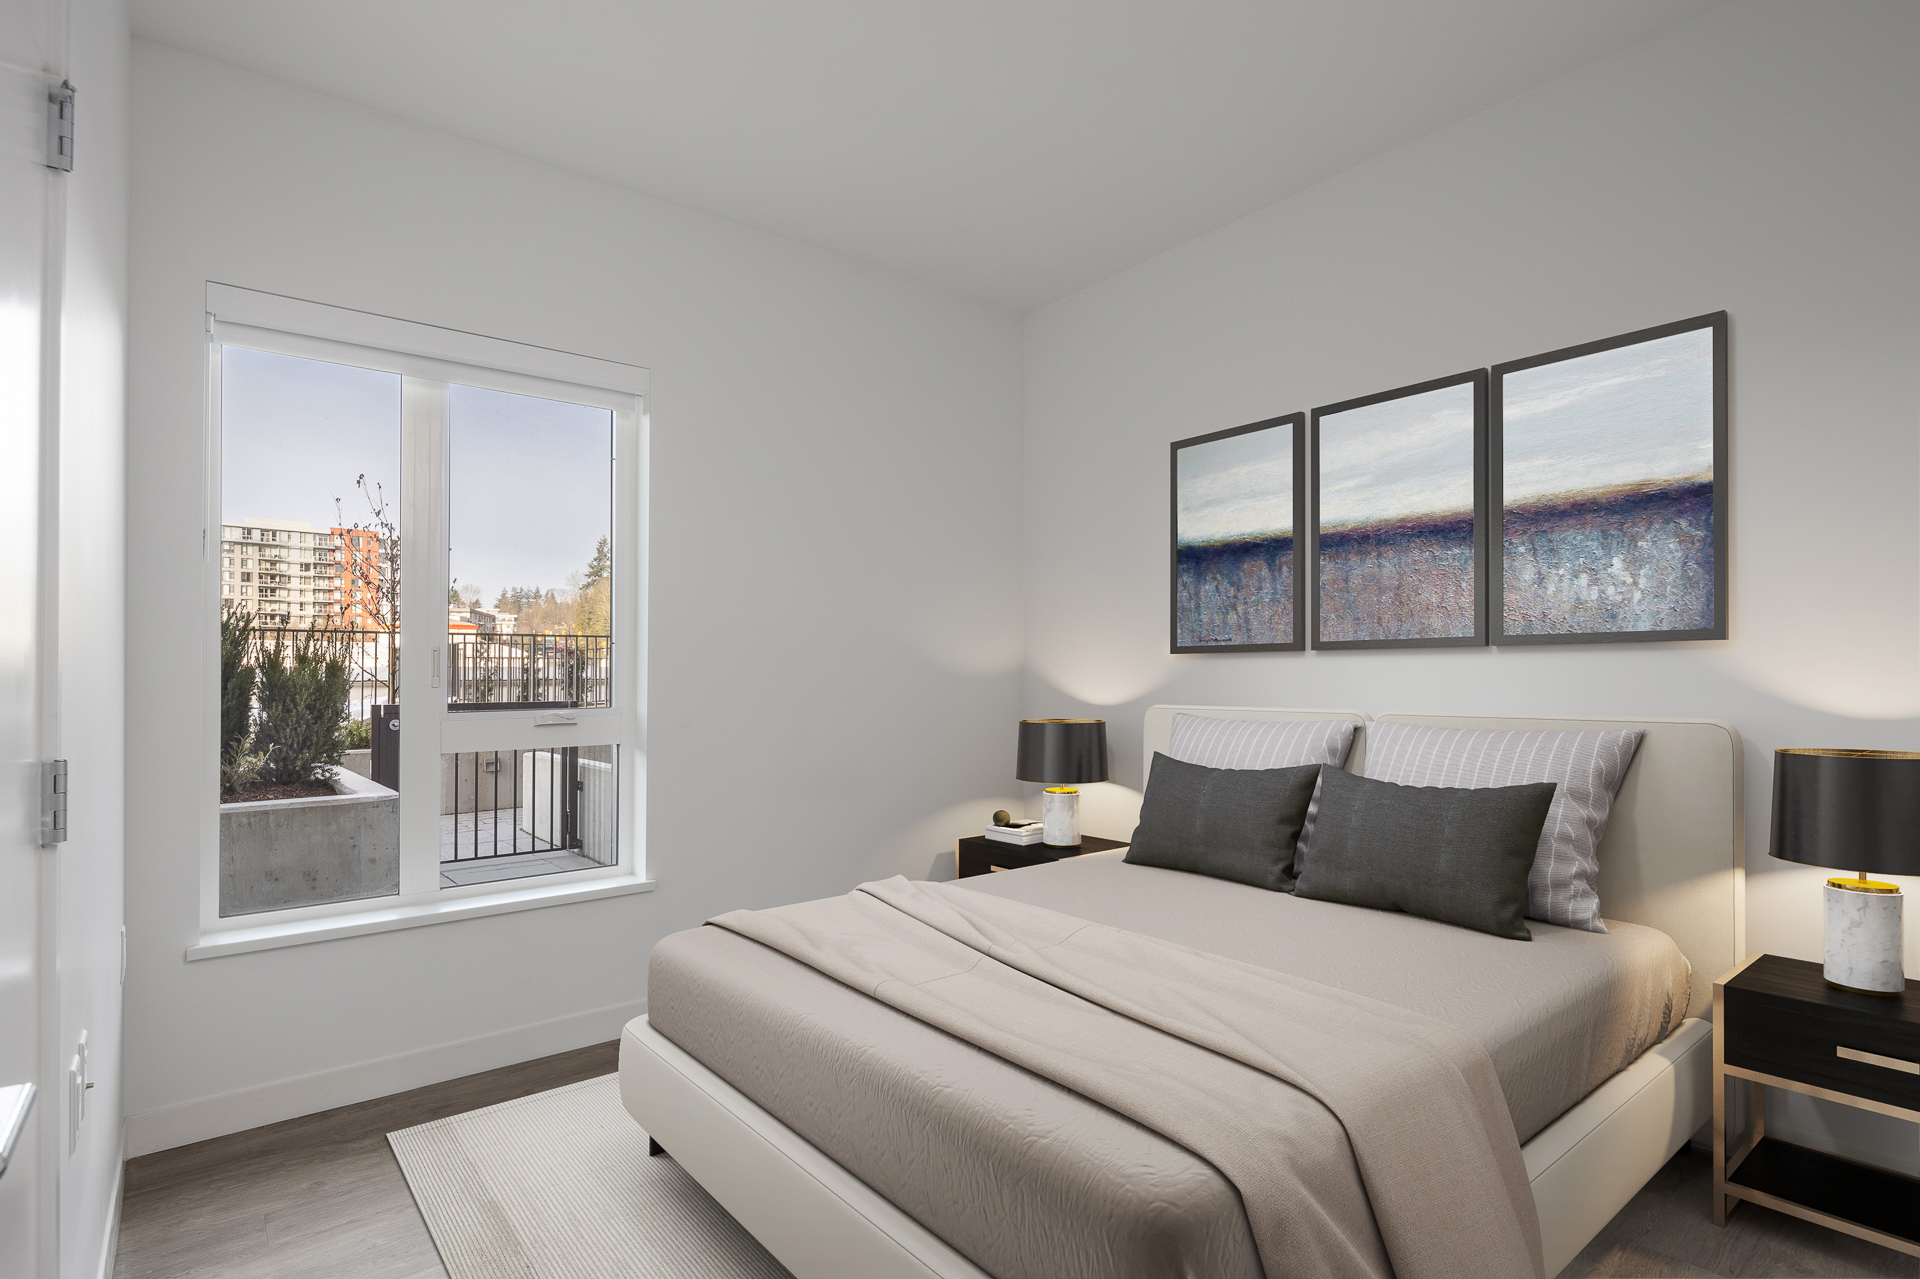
[
  {"x": 1719, "y": 1138},
  {"x": 1725, "y": 1163},
  {"x": 1719, "y": 1107}
]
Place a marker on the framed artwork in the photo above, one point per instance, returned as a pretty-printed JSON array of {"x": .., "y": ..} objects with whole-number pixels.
[
  {"x": 1609, "y": 483},
  {"x": 1399, "y": 517},
  {"x": 1239, "y": 503}
]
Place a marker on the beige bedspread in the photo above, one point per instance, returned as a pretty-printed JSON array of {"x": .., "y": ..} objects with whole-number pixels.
[
  {"x": 1030, "y": 1179},
  {"x": 1364, "y": 1139},
  {"x": 1560, "y": 1015}
]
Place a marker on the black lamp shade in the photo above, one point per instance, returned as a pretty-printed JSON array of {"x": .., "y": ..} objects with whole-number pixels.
[
  {"x": 1062, "y": 752},
  {"x": 1848, "y": 810}
]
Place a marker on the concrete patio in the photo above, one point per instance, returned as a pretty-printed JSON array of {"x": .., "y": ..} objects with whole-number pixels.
[{"x": 505, "y": 850}]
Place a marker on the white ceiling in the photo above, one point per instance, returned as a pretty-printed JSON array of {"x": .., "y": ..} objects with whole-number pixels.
[{"x": 1012, "y": 151}]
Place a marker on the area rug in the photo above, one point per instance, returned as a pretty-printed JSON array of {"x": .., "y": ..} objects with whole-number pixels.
[{"x": 559, "y": 1186}]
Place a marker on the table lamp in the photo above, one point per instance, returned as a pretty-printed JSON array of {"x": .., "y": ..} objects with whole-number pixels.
[
  {"x": 1062, "y": 753},
  {"x": 1857, "y": 810}
]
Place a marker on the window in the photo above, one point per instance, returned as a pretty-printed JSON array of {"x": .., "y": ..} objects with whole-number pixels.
[{"x": 520, "y": 755}]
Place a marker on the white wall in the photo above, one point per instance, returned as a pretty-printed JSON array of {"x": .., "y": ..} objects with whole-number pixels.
[
  {"x": 1759, "y": 159},
  {"x": 830, "y": 695}
]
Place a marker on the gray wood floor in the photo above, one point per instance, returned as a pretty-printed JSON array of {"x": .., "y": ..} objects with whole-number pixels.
[
  {"x": 313, "y": 1198},
  {"x": 1667, "y": 1230},
  {"x": 321, "y": 1197}
]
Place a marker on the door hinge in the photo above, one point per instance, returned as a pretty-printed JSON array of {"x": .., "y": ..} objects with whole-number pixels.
[
  {"x": 60, "y": 127},
  {"x": 53, "y": 802}
]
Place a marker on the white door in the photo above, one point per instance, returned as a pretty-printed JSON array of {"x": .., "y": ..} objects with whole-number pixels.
[{"x": 25, "y": 43}]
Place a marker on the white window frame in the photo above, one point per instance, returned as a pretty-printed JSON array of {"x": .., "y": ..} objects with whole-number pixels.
[{"x": 427, "y": 359}]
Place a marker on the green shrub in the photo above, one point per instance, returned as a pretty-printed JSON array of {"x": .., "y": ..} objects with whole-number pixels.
[
  {"x": 239, "y": 770},
  {"x": 357, "y": 735},
  {"x": 237, "y": 680},
  {"x": 303, "y": 707}
]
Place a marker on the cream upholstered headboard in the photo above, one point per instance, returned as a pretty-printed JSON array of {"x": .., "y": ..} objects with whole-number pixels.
[{"x": 1673, "y": 856}]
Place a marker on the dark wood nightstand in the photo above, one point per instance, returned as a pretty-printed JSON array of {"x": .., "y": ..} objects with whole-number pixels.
[
  {"x": 1777, "y": 1024},
  {"x": 978, "y": 855}
]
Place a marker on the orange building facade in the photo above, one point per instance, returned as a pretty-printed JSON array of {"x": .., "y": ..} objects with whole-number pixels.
[{"x": 359, "y": 566}]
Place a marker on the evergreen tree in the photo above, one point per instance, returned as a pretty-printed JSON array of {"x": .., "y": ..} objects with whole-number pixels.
[
  {"x": 237, "y": 679},
  {"x": 599, "y": 566},
  {"x": 593, "y": 611},
  {"x": 303, "y": 707}
]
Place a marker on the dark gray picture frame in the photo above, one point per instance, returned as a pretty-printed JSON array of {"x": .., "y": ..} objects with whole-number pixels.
[
  {"x": 1717, "y": 322},
  {"x": 1296, "y": 425},
  {"x": 1477, "y": 378}
]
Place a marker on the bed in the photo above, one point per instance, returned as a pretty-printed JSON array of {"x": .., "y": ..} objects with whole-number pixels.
[{"x": 1602, "y": 1084}]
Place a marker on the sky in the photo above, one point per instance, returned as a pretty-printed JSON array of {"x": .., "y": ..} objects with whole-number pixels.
[
  {"x": 1404, "y": 457},
  {"x": 1640, "y": 412},
  {"x": 532, "y": 490},
  {"x": 295, "y": 433},
  {"x": 1237, "y": 487}
]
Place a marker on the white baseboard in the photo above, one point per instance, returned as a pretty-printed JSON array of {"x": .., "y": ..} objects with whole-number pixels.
[{"x": 193, "y": 1121}]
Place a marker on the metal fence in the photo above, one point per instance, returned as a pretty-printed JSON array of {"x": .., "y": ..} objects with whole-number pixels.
[
  {"x": 484, "y": 670},
  {"x": 372, "y": 662},
  {"x": 488, "y": 670},
  {"x": 507, "y": 802}
]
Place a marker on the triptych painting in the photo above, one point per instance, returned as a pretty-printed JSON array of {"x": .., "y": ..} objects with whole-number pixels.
[{"x": 1573, "y": 497}]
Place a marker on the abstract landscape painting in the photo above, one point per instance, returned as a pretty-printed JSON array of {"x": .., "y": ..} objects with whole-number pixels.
[
  {"x": 1611, "y": 488},
  {"x": 1396, "y": 502},
  {"x": 1238, "y": 500}
]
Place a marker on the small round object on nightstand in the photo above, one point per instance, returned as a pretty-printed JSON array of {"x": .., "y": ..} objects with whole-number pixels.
[{"x": 1001, "y": 817}]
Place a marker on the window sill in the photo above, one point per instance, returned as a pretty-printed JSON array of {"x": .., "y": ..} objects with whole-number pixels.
[{"x": 239, "y": 941}]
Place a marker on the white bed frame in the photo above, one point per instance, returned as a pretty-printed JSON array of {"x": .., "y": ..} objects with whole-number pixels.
[{"x": 1672, "y": 858}]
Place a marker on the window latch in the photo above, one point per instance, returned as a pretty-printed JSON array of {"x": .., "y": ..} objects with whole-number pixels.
[{"x": 555, "y": 720}]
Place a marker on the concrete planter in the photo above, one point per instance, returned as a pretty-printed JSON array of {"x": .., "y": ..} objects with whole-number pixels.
[{"x": 278, "y": 853}]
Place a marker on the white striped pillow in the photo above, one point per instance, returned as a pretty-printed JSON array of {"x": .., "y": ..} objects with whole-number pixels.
[
  {"x": 1588, "y": 767},
  {"x": 1257, "y": 743}
]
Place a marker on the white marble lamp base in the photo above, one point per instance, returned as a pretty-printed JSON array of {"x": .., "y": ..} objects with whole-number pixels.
[
  {"x": 1060, "y": 811},
  {"x": 1863, "y": 940}
]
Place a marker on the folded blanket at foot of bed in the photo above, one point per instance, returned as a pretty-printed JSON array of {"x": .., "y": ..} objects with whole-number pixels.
[{"x": 1363, "y": 1139}]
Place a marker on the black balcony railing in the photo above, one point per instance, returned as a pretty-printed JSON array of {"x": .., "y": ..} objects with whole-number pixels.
[
  {"x": 484, "y": 671},
  {"x": 372, "y": 659},
  {"x": 491, "y": 671},
  {"x": 504, "y": 803}
]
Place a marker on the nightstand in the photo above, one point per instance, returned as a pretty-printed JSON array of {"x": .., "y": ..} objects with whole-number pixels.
[
  {"x": 978, "y": 855},
  {"x": 1777, "y": 1024}
]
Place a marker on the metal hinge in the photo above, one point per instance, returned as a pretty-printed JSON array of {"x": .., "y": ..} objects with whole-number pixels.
[
  {"x": 60, "y": 127},
  {"x": 53, "y": 802}
]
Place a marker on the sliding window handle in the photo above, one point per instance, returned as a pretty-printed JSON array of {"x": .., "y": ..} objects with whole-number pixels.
[
  {"x": 16, "y": 1103},
  {"x": 436, "y": 668}
]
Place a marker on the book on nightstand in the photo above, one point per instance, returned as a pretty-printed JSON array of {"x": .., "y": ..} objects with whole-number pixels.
[{"x": 1021, "y": 833}]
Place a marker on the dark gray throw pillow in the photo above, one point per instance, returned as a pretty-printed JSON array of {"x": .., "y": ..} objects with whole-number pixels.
[
  {"x": 1441, "y": 852},
  {"x": 1231, "y": 823}
]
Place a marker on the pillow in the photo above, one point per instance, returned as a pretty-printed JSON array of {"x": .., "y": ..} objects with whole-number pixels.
[
  {"x": 1252, "y": 743},
  {"x": 1588, "y": 766},
  {"x": 1454, "y": 854},
  {"x": 1232, "y": 823},
  {"x": 1255, "y": 743}
]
